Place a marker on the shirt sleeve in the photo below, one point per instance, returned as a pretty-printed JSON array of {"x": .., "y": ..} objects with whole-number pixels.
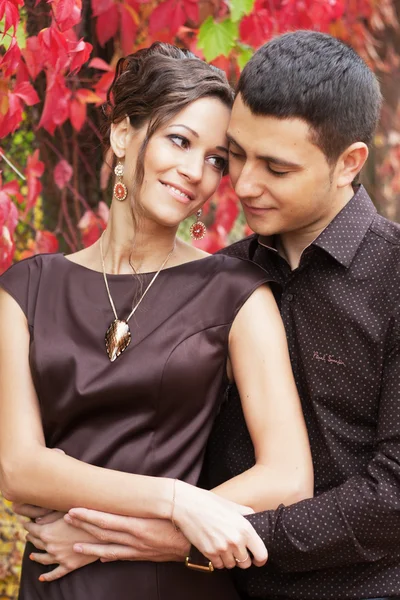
[
  {"x": 356, "y": 522},
  {"x": 21, "y": 282}
]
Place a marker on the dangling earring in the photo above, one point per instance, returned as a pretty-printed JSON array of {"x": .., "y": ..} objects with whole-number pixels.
[
  {"x": 120, "y": 189},
  {"x": 198, "y": 230}
]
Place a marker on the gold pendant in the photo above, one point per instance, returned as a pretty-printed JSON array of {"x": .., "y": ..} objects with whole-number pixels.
[{"x": 118, "y": 338}]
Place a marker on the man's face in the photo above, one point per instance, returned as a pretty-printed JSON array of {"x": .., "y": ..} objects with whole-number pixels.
[{"x": 282, "y": 179}]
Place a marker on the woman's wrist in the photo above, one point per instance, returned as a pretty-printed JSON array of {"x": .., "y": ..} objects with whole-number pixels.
[{"x": 165, "y": 499}]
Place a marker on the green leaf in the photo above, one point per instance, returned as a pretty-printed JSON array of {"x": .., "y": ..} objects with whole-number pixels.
[
  {"x": 239, "y": 8},
  {"x": 217, "y": 38},
  {"x": 244, "y": 56}
]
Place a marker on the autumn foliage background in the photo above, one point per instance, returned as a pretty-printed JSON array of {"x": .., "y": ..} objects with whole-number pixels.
[{"x": 57, "y": 61}]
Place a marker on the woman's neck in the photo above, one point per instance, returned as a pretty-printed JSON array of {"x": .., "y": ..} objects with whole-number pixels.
[{"x": 143, "y": 249}]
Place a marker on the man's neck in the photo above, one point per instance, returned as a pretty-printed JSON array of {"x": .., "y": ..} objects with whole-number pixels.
[{"x": 291, "y": 245}]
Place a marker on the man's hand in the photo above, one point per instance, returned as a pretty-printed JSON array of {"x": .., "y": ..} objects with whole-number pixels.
[
  {"x": 56, "y": 538},
  {"x": 128, "y": 538}
]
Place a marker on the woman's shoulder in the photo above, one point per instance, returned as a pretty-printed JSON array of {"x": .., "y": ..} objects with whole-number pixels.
[
  {"x": 31, "y": 264},
  {"x": 22, "y": 279}
]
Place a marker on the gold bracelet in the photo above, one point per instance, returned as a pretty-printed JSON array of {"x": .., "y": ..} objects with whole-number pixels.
[
  {"x": 204, "y": 569},
  {"x": 173, "y": 507}
]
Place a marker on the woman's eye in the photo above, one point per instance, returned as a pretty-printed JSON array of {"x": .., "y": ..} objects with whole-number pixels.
[
  {"x": 179, "y": 140},
  {"x": 218, "y": 162}
]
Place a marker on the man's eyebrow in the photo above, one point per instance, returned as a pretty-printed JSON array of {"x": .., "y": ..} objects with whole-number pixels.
[
  {"x": 232, "y": 140},
  {"x": 269, "y": 159},
  {"x": 185, "y": 127}
]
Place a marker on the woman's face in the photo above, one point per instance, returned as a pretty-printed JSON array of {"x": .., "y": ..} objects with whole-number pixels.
[{"x": 184, "y": 162}]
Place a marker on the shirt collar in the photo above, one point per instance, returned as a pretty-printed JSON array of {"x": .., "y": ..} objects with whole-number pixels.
[{"x": 344, "y": 234}]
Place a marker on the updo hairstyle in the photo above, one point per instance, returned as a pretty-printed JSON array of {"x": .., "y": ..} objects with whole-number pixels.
[{"x": 156, "y": 83}]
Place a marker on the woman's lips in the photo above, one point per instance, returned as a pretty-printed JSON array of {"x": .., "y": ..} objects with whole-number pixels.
[{"x": 177, "y": 193}]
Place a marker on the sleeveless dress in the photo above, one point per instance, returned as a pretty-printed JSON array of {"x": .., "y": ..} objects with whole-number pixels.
[{"x": 150, "y": 412}]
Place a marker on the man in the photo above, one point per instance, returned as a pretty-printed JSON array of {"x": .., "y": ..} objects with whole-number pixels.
[{"x": 304, "y": 116}]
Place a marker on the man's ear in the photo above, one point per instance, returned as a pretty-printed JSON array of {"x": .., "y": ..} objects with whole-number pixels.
[
  {"x": 119, "y": 136},
  {"x": 350, "y": 163}
]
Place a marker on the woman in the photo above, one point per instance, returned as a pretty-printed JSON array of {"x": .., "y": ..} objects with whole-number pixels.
[{"x": 124, "y": 372}]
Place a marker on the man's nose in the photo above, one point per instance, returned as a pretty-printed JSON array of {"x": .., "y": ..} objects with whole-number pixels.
[{"x": 247, "y": 185}]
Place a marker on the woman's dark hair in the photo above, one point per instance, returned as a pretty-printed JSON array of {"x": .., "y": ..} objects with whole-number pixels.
[
  {"x": 317, "y": 78},
  {"x": 156, "y": 83}
]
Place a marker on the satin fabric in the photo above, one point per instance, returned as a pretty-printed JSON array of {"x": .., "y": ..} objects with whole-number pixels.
[{"x": 149, "y": 412}]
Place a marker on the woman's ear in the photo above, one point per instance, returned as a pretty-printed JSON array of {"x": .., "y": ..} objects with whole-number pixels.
[
  {"x": 119, "y": 136},
  {"x": 351, "y": 162}
]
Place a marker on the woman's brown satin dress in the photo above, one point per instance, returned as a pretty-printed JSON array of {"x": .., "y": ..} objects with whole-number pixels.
[{"x": 149, "y": 412}]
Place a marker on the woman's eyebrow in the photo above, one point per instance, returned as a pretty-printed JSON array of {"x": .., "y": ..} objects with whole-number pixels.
[{"x": 185, "y": 127}]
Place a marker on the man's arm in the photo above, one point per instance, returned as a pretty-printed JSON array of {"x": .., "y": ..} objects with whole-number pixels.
[{"x": 358, "y": 521}]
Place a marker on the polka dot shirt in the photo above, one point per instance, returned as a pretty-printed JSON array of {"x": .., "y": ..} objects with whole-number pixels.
[{"x": 341, "y": 310}]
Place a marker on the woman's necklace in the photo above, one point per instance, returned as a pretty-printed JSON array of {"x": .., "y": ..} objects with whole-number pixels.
[{"x": 118, "y": 335}]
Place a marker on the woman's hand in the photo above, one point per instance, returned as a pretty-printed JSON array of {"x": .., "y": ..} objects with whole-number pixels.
[
  {"x": 217, "y": 527},
  {"x": 56, "y": 538}
]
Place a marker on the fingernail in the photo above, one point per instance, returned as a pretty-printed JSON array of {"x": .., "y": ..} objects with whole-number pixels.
[
  {"x": 31, "y": 556},
  {"x": 42, "y": 578},
  {"x": 68, "y": 519},
  {"x": 77, "y": 548},
  {"x": 38, "y": 519}
]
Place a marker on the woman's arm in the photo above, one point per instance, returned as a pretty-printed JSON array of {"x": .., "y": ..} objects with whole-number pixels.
[
  {"x": 260, "y": 363},
  {"x": 31, "y": 473}
]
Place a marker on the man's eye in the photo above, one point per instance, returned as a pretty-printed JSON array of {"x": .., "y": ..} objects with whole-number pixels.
[
  {"x": 277, "y": 173},
  {"x": 235, "y": 154},
  {"x": 179, "y": 140}
]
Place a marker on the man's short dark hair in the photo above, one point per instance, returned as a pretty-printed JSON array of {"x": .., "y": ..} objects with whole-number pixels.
[{"x": 317, "y": 78}]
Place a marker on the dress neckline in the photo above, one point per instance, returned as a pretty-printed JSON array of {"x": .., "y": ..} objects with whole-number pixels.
[{"x": 130, "y": 275}]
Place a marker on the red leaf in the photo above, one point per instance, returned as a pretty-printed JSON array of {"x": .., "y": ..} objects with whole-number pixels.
[
  {"x": 46, "y": 242},
  {"x": 80, "y": 55},
  {"x": 257, "y": 28},
  {"x": 99, "y": 63},
  {"x": 102, "y": 86},
  {"x": 101, "y": 6},
  {"x": 168, "y": 15},
  {"x": 77, "y": 114},
  {"x": 12, "y": 117},
  {"x": 33, "y": 56},
  {"x": 91, "y": 227},
  {"x": 192, "y": 9},
  {"x": 211, "y": 242},
  {"x": 87, "y": 96},
  {"x": 7, "y": 249},
  {"x": 27, "y": 93},
  {"x": 56, "y": 105},
  {"x": 67, "y": 13},
  {"x": 128, "y": 28},
  {"x": 11, "y": 16},
  {"x": 62, "y": 173},
  {"x": 54, "y": 47},
  {"x": 34, "y": 170},
  {"x": 11, "y": 59},
  {"x": 107, "y": 25}
]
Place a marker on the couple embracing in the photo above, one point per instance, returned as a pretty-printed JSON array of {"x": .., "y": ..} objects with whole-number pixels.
[{"x": 268, "y": 373}]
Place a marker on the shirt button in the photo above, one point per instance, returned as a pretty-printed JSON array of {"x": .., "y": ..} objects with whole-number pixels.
[{"x": 289, "y": 297}]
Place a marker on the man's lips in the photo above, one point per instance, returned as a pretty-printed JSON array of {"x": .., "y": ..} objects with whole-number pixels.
[
  {"x": 178, "y": 190},
  {"x": 256, "y": 210}
]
